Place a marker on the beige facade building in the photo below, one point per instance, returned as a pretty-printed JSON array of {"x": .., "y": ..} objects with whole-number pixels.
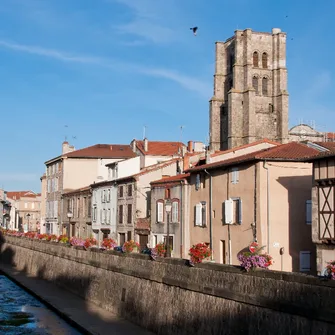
[
  {"x": 323, "y": 209},
  {"x": 262, "y": 196},
  {"x": 250, "y": 99},
  {"x": 74, "y": 169},
  {"x": 28, "y": 207},
  {"x": 77, "y": 209}
]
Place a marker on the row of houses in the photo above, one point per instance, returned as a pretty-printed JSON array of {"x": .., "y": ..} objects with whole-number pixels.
[{"x": 153, "y": 191}]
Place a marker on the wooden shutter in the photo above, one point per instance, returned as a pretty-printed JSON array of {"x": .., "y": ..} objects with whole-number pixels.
[
  {"x": 305, "y": 261},
  {"x": 309, "y": 212},
  {"x": 228, "y": 207},
  {"x": 160, "y": 214},
  {"x": 175, "y": 211},
  {"x": 198, "y": 215},
  {"x": 197, "y": 182}
]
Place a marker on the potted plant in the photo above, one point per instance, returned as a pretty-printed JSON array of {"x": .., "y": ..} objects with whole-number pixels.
[
  {"x": 62, "y": 239},
  {"x": 158, "y": 251},
  {"x": 76, "y": 241},
  {"x": 108, "y": 243},
  {"x": 90, "y": 242},
  {"x": 199, "y": 252},
  {"x": 330, "y": 268},
  {"x": 254, "y": 258},
  {"x": 131, "y": 247}
]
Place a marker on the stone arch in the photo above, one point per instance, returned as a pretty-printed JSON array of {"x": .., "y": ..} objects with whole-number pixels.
[
  {"x": 255, "y": 83},
  {"x": 255, "y": 59},
  {"x": 264, "y": 60}
]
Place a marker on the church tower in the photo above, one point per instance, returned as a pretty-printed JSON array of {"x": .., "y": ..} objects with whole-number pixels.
[{"x": 250, "y": 99}]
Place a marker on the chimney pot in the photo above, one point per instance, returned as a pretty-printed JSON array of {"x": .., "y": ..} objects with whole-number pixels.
[
  {"x": 133, "y": 144},
  {"x": 190, "y": 146},
  {"x": 146, "y": 144}
]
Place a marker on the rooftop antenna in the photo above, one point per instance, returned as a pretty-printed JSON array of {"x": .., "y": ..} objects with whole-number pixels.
[
  {"x": 66, "y": 126},
  {"x": 181, "y": 133},
  {"x": 144, "y": 131}
]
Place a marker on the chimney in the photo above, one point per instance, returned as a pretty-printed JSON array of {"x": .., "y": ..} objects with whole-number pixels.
[
  {"x": 186, "y": 162},
  {"x": 190, "y": 146},
  {"x": 111, "y": 148},
  {"x": 133, "y": 144},
  {"x": 146, "y": 144},
  {"x": 208, "y": 156},
  {"x": 66, "y": 147}
]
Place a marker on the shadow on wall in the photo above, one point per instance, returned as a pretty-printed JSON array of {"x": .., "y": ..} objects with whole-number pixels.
[
  {"x": 300, "y": 233},
  {"x": 80, "y": 286},
  {"x": 183, "y": 311}
]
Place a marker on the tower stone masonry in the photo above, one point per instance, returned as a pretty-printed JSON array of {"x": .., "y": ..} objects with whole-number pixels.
[{"x": 250, "y": 99}]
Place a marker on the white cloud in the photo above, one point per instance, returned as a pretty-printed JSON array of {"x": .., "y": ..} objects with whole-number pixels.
[
  {"x": 188, "y": 82},
  {"x": 150, "y": 20}
]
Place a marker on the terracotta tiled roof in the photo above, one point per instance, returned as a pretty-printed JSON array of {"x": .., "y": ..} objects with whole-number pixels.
[
  {"x": 321, "y": 155},
  {"x": 292, "y": 151},
  {"x": 17, "y": 195},
  {"x": 171, "y": 179},
  {"x": 78, "y": 190},
  {"x": 103, "y": 151},
  {"x": 265, "y": 140},
  {"x": 156, "y": 148},
  {"x": 143, "y": 223},
  {"x": 328, "y": 145},
  {"x": 331, "y": 135}
]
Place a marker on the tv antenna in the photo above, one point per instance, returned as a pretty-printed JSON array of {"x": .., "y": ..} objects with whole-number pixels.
[
  {"x": 66, "y": 127},
  {"x": 181, "y": 133},
  {"x": 144, "y": 131}
]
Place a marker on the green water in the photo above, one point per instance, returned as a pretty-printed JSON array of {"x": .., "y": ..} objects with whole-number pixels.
[{"x": 22, "y": 314}]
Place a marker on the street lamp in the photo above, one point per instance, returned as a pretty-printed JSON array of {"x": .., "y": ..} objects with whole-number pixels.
[
  {"x": 69, "y": 215},
  {"x": 28, "y": 217},
  {"x": 168, "y": 208}
]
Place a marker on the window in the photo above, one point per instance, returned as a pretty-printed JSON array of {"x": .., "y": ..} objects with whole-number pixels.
[
  {"x": 84, "y": 206},
  {"x": 309, "y": 212},
  {"x": 233, "y": 211},
  {"x": 129, "y": 213},
  {"x": 57, "y": 168},
  {"x": 305, "y": 261},
  {"x": 265, "y": 60},
  {"x": 200, "y": 214},
  {"x": 55, "y": 209},
  {"x": 108, "y": 195},
  {"x": 234, "y": 175},
  {"x": 121, "y": 191},
  {"x": 103, "y": 195},
  {"x": 130, "y": 190},
  {"x": 89, "y": 204},
  {"x": 265, "y": 86},
  {"x": 108, "y": 215},
  {"x": 160, "y": 211},
  {"x": 197, "y": 182},
  {"x": 78, "y": 207},
  {"x": 68, "y": 205},
  {"x": 175, "y": 211},
  {"x": 255, "y": 59},
  {"x": 94, "y": 214},
  {"x": 121, "y": 214},
  {"x": 104, "y": 215},
  {"x": 25, "y": 205},
  {"x": 255, "y": 84},
  {"x": 32, "y": 205}
]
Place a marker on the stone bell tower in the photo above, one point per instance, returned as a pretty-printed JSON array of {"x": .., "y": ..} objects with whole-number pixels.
[{"x": 250, "y": 99}]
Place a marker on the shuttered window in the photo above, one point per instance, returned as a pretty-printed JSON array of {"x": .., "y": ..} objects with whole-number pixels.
[
  {"x": 200, "y": 214},
  {"x": 159, "y": 210},
  {"x": 175, "y": 211},
  {"x": 309, "y": 212},
  {"x": 305, "y": 261}
]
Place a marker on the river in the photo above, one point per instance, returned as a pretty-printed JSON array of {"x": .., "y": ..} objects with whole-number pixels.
[{"x": 23, "y": 314}]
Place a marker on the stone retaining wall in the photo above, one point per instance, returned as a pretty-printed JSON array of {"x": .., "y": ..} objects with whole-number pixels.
[{"x": 168, "y": 297}]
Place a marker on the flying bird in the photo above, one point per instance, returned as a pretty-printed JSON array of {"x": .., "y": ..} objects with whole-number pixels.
[{"x": 194, "y": 29}]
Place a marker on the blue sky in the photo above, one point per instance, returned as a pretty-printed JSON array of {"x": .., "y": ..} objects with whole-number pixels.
[{"x": 106, "y": 68}]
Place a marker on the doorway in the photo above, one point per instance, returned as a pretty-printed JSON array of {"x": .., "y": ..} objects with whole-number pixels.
[
  {"x": 223, "y": 252},
  {"x": 144, "y": 239}
]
